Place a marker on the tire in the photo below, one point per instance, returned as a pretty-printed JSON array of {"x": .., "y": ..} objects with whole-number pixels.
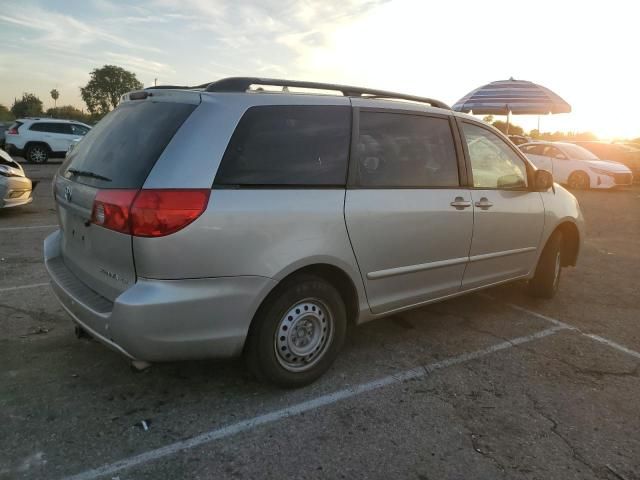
[
  {"x": 37, "y": 153},
  {"x": 579, "y": 181},
  {"x": 297, "y": 333},
  {"x": 546, "y": 279}
]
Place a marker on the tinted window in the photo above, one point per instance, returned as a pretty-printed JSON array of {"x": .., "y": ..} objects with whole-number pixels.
[
  {"x": 553, "y": 152},
  {"x": 79, "y": 129},
  {"x": 51, "y": 127},
  {"x": 288, "y": 145},
  {"x": 125, "y": 145},
  {"x": 537, "y": 149},
  {"x": 493, "y": 163},
  {"x": 400, "y": 150},
  {"x": 40, "y": 127}
]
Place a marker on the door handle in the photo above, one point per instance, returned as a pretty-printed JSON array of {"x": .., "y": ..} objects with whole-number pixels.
[
  {"x": 484, "y": 204},
  {"x": 460, "y": 203}
]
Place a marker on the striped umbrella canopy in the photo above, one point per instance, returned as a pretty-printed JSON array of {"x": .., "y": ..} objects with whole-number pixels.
[{"x": 518, "y": 97}]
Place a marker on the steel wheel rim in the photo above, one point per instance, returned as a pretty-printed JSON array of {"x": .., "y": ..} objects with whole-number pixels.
[
  {"x": 304, "y": 335},
  {"x": 38, "y": 155}
]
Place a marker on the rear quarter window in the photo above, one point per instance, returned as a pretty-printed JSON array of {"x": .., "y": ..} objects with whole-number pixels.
[
  {"x": 293, "y": 145},
  {"x": 125, "y": 145}
]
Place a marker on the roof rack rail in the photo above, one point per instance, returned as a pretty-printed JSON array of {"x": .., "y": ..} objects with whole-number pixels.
[
  {"x": 242, "y": 84},
  {"x": 178, "y": 87}
]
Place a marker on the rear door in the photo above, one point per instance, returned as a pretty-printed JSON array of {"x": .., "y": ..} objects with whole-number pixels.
[
  {"x": 116, "y": 155},
  {"x": 508, "y": 216},
  {"x": 408, "y": 217}
]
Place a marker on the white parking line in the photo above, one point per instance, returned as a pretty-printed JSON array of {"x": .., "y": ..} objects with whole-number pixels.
[
  {"x": 22, "y": 287},
  {"x": 567, "y": 326},
  {"x": 30, "y": 227},
  {"x": 302, "y": 407},
  {"x": 613, "y": 344}
]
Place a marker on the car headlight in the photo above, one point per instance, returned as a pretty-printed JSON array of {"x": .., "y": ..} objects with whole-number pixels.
[
  {"x": 7, "y": 172},
  {"x": 600, "y": 171}
]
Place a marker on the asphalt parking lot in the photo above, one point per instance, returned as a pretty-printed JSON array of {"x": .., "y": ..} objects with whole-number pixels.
[{"x": 492, "y": 385}]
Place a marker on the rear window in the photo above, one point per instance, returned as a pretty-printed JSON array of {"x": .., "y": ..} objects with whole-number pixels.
[
  {"x": 125, "y": 145},
  {"x": 288, "y": 145}
]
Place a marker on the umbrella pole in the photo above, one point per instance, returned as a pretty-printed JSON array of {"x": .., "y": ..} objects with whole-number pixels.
[{"x": 508, "y": 118}]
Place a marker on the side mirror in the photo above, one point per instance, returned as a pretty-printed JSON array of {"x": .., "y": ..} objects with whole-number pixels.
[
  {"x": 542, "y": 181},
  {"x": 560, "y": 156}
]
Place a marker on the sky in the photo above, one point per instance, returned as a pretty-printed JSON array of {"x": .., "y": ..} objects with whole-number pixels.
[{"x": 585, "y": 51}]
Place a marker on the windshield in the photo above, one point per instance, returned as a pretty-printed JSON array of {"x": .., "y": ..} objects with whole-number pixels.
[{"x": 576, "y": 152}]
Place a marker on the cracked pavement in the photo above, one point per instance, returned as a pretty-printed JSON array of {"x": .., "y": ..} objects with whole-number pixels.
[{"x": 559, "y": 407}]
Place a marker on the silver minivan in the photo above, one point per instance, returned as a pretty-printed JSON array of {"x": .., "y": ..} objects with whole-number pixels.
[{"x": 262, "y": 217}]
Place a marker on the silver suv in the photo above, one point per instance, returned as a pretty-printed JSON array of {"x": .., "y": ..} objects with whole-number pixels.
[{"x": 227, "y": 219}]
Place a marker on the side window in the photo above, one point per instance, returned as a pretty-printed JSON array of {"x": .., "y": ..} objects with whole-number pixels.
[
  {"x": 50, "y": 127},
  {"x": 533, "y": 149},
  {"x": 288, "y": 145},
  {"x": 65, "y": 128},
  {"x": 402, "y": 150},
  {"x": 493, "y": 163},
  {"x": 553, "y": 152},
  {"x": 78, "y": 129}
]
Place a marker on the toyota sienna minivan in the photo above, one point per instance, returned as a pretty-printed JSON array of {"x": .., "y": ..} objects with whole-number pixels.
[{"x": 245, "y": 218}]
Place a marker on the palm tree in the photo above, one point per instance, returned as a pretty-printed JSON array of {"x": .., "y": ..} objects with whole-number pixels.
[{"x": 55, "y": 95}]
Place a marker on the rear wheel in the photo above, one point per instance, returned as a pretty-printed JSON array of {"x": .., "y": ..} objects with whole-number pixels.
[
  {"x": 546, "y": 279},
  {"x": 297, "y": 333},
  {"x": 37, "y": 154},
  {"x": 579, "y": 181}
]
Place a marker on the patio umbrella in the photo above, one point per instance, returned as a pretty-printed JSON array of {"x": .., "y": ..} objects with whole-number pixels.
[{"x": 518, "y": 97}]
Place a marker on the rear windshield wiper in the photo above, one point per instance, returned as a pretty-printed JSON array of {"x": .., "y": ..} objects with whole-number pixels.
[{"x": 86, "y": 173}]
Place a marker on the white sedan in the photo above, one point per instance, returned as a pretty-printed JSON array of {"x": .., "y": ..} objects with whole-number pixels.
[
  {"x": 15, "y": 187},
  {"x": 575, "y": 166}
]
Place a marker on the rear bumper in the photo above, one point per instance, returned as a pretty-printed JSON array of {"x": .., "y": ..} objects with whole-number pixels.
[
  {"x": 162, "y": 320},
  {"x": 15, "y": 191}
]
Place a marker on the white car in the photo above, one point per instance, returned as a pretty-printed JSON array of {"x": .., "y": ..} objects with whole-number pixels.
[
  {"x": 575, "y": 166},
  {"x": 38, "y": 139},
  {"x": 15, "y": 187}
]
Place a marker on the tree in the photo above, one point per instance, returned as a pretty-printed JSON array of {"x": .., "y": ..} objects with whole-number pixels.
[
  {"x": 68, "y": 112},
  {"x": 105, "y": 87},
  {"x": 488, "y": 119},
  {"x": 5, "y": 114},
  {"x": 28, "y": 106},
  {"x": 55, "y": 95},
  {"x": 513, "y": 129}
]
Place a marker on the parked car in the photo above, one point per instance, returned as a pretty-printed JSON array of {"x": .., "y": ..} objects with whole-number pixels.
[
  {"x": 38, "y": 139},
  {"x": 15, "y": 187},
  {"x": 616, "y": 152},
  {"x": 219, "y": 221},
  {"x": 4, "y": 126},
  {"x": 519, "y": 139},
  {"x": 575, "y": 166}
]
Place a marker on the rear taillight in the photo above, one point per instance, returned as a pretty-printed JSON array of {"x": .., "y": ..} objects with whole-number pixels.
[
  {"x": 12, "y": 131},
  {"x": 112, "y": 209},
  {"x": 148, "y": 213}
]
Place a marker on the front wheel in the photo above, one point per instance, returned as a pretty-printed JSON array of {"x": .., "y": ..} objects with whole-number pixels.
[
  {"x": 546, "y": 279},
  {"x": 37, "y": 154},
  {"x": 579, "y": 181},
  {"x": 297, "y": 333}
]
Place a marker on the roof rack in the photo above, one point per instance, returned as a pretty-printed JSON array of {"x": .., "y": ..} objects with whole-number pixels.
[
  {"x": 178, "y": 87},
  {"x": 242, "y": 84}
]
